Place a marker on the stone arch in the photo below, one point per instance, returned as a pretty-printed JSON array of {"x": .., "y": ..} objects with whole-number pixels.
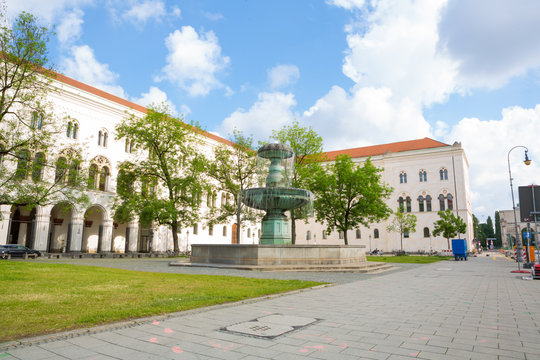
[
  {"x": 22, "y": 226},
  {"x": 94, "y": 235},
  {"x": 61, "y": 228},
  {"x": 99, "y": 173}
]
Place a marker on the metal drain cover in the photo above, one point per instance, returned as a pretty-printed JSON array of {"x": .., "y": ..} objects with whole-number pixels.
[{"x": 270, "y": 326}]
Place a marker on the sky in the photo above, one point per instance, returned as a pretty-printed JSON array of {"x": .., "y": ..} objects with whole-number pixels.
[{"x": 359, "y": 72}]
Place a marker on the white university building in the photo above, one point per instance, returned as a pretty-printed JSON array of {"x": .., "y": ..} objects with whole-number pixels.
[{"x": 427, "y": 176}]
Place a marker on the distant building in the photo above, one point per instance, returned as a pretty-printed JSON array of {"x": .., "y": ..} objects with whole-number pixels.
[
  {"x": 508, "y": 225},
  {"x": 427, "y": 176}
]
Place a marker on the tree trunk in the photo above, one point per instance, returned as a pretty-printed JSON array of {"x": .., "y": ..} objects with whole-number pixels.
[
  {"x": 448, "y": 241},
  {"x": 238, "y": 224},
  {"x": 345, "y": 238},
  {"x": 293, "y": 228},
  {"x": 401, "y": 240},
  {"x": 174, "y": 229}
]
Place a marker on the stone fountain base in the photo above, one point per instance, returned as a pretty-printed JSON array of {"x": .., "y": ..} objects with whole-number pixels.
[{"x": 351, "y": 258}]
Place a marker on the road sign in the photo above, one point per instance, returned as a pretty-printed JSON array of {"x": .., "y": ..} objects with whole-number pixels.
[{"x": 526, "y": 235}]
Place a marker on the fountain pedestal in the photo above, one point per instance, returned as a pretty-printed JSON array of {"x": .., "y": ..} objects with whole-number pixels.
[{"x": 275, "y": 228}]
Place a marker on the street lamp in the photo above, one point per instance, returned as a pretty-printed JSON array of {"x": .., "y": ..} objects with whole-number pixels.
[{"x": 527, "y": 161}]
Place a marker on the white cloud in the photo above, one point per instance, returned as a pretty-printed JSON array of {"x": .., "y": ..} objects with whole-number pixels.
[
  {"x": 155, "y": 96},
  {"x": 348, "y": 4},
  {"x": 486, "y": 145},
  {"x": 213, "y": 16},
  {"x": 270, "y": 112},
  {"x": 176, "y": 12},
  {"x": 70, "y": 27},
  {"x": 141, "y": 12},
  {"x": 193, "y": 61},
  {"x": 493, "y": 40},
  {"x": 83, "y": 66},
  {"x": 49, "y": 11},
  {"x": 283, "y": 75}
]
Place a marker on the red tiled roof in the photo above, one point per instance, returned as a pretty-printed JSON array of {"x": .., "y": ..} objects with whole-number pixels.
[
  {"x": 425, "y": 143},
  {"x": 85, "y": 87}
]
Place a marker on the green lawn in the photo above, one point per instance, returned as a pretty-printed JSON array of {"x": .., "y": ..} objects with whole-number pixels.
[
  {"x": 408, "y": 259},
  {"x": 43, "y": 298}
]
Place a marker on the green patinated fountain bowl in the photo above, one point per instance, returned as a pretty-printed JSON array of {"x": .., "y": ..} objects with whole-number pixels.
[{"x": 283, "y": 198}]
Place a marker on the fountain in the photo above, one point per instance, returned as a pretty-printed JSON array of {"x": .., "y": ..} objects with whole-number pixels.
[
  {"x": 277, "y": 197},
  {"x": 275, "y": 251}
]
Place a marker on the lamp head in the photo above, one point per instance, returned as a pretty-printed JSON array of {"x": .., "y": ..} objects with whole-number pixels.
[{"x": 527, "y": 161}]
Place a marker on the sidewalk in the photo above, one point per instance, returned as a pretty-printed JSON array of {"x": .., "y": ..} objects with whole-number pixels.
[{"x": 472, "y": 309}]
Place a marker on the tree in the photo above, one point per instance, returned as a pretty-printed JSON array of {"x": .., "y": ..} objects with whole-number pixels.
[
  {"x": 402, "y": 223},
  {"x": 347, "y": 195},
  {"x": 498, "y": 236},
  {"x": 234, "y": 169},
  {"x": 307, "y": 146},
  {"x": 27, "y": 128},
  {"x": 449, "y": 225},
  {"x": 169, "y": 172}
]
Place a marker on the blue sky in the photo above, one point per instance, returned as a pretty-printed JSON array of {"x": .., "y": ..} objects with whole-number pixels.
[{"x": 360, "y": 72}]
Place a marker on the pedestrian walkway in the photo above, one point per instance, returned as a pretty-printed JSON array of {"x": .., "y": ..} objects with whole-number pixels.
[{"x": 474, "y": 309}]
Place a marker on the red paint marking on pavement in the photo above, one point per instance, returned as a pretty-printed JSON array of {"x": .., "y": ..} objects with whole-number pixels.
[
  {"x": 304, "y": 350},
  {"x": 415, "y": 354},
  {"x": 343, "y": 345},
  {"x": 424, "y": 338},
  {"x": 177, "y": 350},
  {"x": 318, "y": 347},
  {"x": 154, "y": 340},
  {"x": 483, "y": 340},
  {"x": 155, "y": 322},
  {"x": 168, "y": 331}
]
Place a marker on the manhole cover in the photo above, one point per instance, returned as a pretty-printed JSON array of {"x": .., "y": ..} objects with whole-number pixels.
[{"x": 270, "y": 326}]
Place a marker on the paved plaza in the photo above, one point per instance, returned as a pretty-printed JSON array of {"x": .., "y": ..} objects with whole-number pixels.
[{"x": 474, "y": 309}]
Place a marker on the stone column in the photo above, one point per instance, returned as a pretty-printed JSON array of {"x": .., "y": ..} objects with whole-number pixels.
[
  {"x": 133, "y": 236},
  {"x": 43, "y": 221},
  {"x": 5, "y": 213},
  {"x": 77, "y": 229},
  {"x": 106, "y": 237}
]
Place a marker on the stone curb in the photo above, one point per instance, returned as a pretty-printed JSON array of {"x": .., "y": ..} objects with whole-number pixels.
[{"x": 141, "y": 321}]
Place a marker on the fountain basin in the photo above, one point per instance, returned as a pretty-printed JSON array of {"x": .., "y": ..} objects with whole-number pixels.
[{"x": 276, "y": 198}]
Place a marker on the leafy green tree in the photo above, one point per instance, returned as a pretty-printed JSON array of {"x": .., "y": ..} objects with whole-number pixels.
[
  {"x": 449, "y": 225},
  {"x": 402, "y": 223},
  {"x": 234, "y": 169},
  {"x": 347, "y": 195},
  {"x": 169, "y": 174},
  {"x": 498, "y": 236},
  {"x": 307, "y": 146},
  {"x": 27, "y": 127}
]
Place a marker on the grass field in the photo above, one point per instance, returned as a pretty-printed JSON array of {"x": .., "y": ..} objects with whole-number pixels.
[
  {"x": 43, "y": 298},
  {"x": 408, "y": 259}
]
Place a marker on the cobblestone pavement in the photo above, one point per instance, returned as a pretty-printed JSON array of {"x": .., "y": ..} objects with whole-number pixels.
[{"x": 474, "y": 309}]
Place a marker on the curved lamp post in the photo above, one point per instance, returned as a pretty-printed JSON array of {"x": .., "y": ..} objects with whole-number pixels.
[{"x": 527, "y": 161}]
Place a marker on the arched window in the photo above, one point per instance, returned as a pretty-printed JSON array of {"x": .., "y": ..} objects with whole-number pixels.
[
  {"x": 22, "y": 164},
  {"x": 401, "y": 205},
  {"x": 248, "y": 232},
  {"x": 103, "y": 178},
  {"x": 408, "y": 201},
  {"x": 340, "y": 234},
  {"x": 128, "y": 144},
  {"x": 61, "y": 169},
  {"x": 421, "y": 203},
  {"x": 92, "y": 176},
  {"x": 209, "y": 199},
  {"x": 223, "y": 200},
  {"x": 423, "y": 175},
  {"x": 224, "y": 230},
  {"x": 376, "y": 233},
  {"x": 426, "y": 232},
  {"x": 450, "y": 200},
  {"x": 39, "y": 164},
  {"x": 105, "y": 139},
  {"x": 308, "y": 235},
  {"x": 100, "y": 138},
  {"x": 68, "y": 130},
  {"x": 402, "y": 177},
  {"x": 37, "y": 120},
  {"x": 441, "y": 202},
  {"x": 211, "y": 230},
  {"x": 405, "y": 233},
  {"x": 324, "y": 234},
  {"x": 358, "y": 234},
  {"x": 196, "y": 229},
  {"x": 75, "y": 131},
  {"x": 443, "y": 173},
  {"x": 428, "y": 203}
]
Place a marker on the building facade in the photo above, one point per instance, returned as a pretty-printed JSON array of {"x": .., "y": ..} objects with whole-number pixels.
[{"x": 427, "y": 176}]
